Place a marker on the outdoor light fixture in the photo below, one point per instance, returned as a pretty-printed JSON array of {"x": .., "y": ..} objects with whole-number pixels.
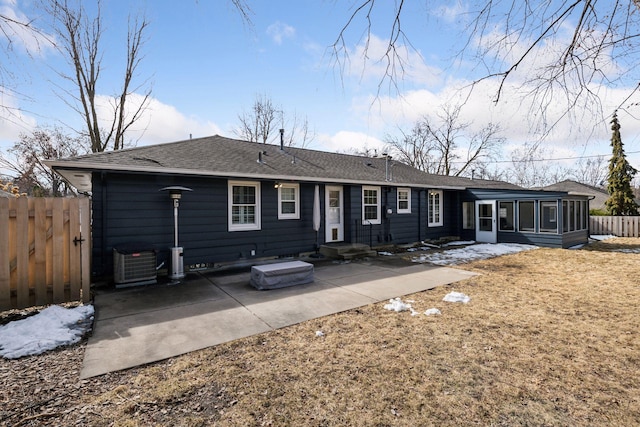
[
  {"x": 177, "y": 265},
  {"x": 277, "y": 185}
]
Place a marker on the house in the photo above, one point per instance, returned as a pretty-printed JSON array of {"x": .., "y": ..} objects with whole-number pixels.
[
  {"x": 597, "y": 195},
  {"x": 253, "y": 201}
]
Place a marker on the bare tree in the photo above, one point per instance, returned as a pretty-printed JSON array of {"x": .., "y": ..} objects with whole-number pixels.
[
  {"x": 259, "y": 124},
  {"x": 297, "y": 132},
  {"x": 591, "y": 170},
  {"x": 25, "y": 160},
  {"x": 17, "y": 33},
  {"x": 445, "y": 145},
  {"x": 529, "y": 167},
  {"x": 80, "y": 40},
  {"x": 586, "y": 42}
]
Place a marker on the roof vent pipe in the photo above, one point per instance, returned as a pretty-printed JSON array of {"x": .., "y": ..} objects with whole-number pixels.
[
  {"x": 282, "y": 139},
  {"x": 260, "y": 157}
]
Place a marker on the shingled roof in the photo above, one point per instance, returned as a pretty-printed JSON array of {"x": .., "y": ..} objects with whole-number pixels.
[
  {"x": 599, "y": 194},
  {"x": 226, "y": 157}
]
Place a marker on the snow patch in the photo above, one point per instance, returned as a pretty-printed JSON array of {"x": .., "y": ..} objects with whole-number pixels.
[
  {"x": 433, "y": 312},
  {"x": 460, "y": 243},
  {"x": 384, "y": 253},
  {"x": 53, "y": 327},
  {"x": 600, "y": 237},
  {"x": 628, "y": 251},
  {"x": 396, "y": 304},
  {"x": 456, "y": 297},
  {"x": 472, "y": 253}
]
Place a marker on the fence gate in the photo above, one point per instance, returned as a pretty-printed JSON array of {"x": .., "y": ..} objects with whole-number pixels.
[{"x": 45, "y": 247}]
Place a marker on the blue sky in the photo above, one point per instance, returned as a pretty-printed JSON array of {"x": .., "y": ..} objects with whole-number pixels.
[{"x": 207, "y": 66}]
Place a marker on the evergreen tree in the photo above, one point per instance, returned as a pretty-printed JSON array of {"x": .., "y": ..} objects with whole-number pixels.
[{"x": 621, "y": 200}]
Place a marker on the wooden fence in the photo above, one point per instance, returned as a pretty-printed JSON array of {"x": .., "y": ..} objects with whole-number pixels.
[
  {"x": 44, "y": 251},
  {"x": 620, "y": 226}
]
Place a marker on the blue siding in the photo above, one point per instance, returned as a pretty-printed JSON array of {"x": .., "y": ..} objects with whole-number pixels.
[{"x": 129, "y": 208}]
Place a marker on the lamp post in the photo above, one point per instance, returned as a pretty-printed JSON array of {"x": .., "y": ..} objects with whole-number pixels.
[{"x": 177, "y": 265}]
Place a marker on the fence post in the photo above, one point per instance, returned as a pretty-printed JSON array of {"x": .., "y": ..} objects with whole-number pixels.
[
  {"x": 22, "y": 251},
  {"x": 57, "y": 245},
  {"x": 40, "y": 250},
  {"x": 85, "y": 247},
  {"x": 5, "y": 270}
]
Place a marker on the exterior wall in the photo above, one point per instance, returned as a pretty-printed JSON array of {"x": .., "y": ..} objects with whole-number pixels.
[
  {"x": 399, "y": 228},
  {"x": 546, "y": 239},
  {"x": 129, "y": 208}
]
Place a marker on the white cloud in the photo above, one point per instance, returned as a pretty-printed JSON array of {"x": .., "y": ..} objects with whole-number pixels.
[
  {"x": 13, "y": 120},
  {"x": 160, "y": 122},
  {"x": 280, "y": 31},
  {"x": 368, "y": 62},
  {"x": 19, "y": 30},
  {"x": 451, "y": 12},
  {"x": 349, "y": 142}
]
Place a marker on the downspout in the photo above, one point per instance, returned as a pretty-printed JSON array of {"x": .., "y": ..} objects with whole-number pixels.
[
  {"x": 589, "y": 199},
  {"x": 420, "y": 214}
]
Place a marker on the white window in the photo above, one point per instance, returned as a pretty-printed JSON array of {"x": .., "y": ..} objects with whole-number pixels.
[
  {"x": 289, "y": 201},
  {"x": 404, "y": 200},
  {"x": 371, "y": 205},
  {"x": 244, "y": 205},
  {"x": 435, "y": 208}
]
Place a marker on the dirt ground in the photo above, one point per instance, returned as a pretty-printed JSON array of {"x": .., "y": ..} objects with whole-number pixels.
[{"x": 549, "y": 338}]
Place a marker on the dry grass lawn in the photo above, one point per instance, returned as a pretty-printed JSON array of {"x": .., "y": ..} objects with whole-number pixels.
[{"x": 550, "y": 338}]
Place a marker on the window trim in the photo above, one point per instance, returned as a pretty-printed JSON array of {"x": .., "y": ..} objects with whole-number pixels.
[
  {"x": 398, "y": 208},
  {"x": 468, "y": 216},
  {"x": 533, "y": 216},
  {"x": 243, "y": 227},
  {"x": 553, "y": 207},
  {"x": 296, "y": 195},
  {"x": 378, "y": 191},
  {"x": 439, "y": 222},
  {"x": 513, "y": 216}
]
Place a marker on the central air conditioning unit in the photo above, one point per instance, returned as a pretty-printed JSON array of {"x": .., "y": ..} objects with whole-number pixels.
[{"x": 134, "y": 265}]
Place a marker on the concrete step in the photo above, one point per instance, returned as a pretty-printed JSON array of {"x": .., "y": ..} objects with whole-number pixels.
[{"x": 347, "y": 251}]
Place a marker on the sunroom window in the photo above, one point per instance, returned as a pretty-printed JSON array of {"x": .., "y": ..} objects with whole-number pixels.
[
  {"x": 526, "y": 216},
  {"x": 548, "y": 217},
  {"x": 507, "y": 222}
]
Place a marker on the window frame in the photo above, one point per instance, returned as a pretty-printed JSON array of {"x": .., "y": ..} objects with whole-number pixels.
[
  {"x": 257, "y": 224},
  {"x": 468, "y": 215},
  {"x": 533, "y": 216},
  {"x": 406, "y": 210},
  {"x": 513, "y": 215},
  {"x": 378, "y": 191},
  {"x": 553, "y": 207},
  {"x": 432, "y": 221},
  {"x": 296, "y": 201}
]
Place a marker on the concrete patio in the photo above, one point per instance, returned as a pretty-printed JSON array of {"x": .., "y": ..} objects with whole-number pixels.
[{"x": 136, "y": 326}]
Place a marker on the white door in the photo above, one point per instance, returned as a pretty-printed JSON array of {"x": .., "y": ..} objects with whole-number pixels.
[
  {"x": 334, "y": 214},
  {"x": 486, "y": 224}
]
